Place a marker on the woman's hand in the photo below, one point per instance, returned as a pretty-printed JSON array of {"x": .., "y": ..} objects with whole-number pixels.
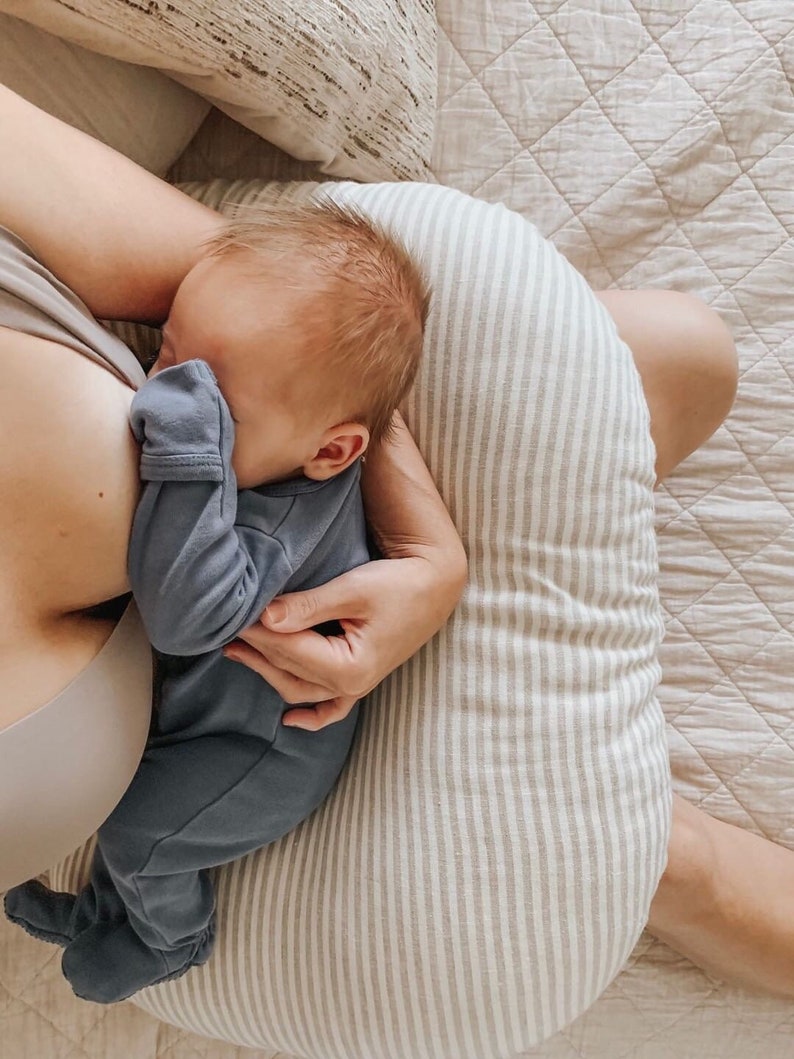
[{"x": 387, "y": 609}]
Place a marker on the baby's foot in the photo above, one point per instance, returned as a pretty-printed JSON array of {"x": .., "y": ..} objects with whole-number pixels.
[
  {"x": 108, "y": 962},
  {"x": 45, "y": 914}
]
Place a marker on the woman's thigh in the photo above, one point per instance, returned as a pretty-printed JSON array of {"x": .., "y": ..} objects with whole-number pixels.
[{"x": 687, "y": 363}]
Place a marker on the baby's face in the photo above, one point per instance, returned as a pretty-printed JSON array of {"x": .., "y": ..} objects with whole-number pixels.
[{"x": 220, "y": 315}]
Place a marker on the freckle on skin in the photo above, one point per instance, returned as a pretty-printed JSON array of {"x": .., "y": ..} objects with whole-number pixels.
[{"x": 101, "y": 495}]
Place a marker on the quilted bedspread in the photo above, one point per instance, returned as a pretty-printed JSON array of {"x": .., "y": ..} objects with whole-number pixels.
[{"x": 653, "y": 142}]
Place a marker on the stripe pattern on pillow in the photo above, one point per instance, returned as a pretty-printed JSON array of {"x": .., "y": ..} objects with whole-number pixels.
[{"x": 487, "y": 860}]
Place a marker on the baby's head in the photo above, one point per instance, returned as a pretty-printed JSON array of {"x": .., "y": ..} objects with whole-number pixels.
[{"x": 311, "y": 318}]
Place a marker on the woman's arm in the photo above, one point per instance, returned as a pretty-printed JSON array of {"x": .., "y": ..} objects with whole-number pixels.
[
  {"x": 388, "y": 609},
  {"x": 122, "y": 239},
  {"x": 407, "y": 516}
]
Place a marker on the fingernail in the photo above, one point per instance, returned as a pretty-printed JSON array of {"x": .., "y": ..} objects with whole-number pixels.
[
  {"x": 231, "y": 654},
  {"x": 276, "y": 613}
]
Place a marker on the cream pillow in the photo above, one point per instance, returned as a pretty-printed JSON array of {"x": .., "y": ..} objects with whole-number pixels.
[
  {"x": 486, "y": 863},
  {"x": 349, "y": 84},
  {"x": 140, "y": 112}
]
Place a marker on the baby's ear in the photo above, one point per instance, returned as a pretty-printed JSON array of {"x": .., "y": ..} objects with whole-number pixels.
[{"x": 340, "y": 446}]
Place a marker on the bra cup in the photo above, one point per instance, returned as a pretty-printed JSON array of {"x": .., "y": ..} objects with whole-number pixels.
[{"x": 64, "y": 767}]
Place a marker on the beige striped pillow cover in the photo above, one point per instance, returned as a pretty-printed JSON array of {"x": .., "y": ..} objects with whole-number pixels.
[{"x": 486, "y": 863}]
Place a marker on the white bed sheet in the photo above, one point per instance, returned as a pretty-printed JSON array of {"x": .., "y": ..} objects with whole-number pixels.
[{"x": 653, "y": 142}]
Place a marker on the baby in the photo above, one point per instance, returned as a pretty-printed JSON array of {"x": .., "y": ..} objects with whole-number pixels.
[{"x": 286, "y": 351}]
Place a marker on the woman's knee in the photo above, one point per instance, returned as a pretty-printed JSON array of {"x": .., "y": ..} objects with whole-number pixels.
[
  {"x": 688, "y": 875},
  {"x": 708, "y": 346},
  {"x": 687, "y": 362}
]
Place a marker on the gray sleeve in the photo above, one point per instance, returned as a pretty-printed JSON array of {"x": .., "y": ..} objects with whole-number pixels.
[{"x": 198, "y": 579}]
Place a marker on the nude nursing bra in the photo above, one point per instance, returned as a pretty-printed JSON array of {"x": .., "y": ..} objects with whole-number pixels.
[{"x": 64, "y": 767}]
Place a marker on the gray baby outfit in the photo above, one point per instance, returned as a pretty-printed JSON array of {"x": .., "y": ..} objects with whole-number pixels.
[{"x": 220, "y": 776}]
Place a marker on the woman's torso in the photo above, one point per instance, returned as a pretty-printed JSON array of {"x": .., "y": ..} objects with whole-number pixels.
[{"x": 69, "y": 480}]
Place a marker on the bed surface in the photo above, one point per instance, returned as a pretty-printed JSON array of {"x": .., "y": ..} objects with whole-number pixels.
[
  {"x": 658, "y": 153},
  {"x": 661, "y": 155}
]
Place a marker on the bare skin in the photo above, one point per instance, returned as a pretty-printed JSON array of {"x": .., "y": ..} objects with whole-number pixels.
[
  {"x": 124, "y": 241},
  {"x": 687, "y": 363},
  {"x": 726, "y": 900},
  {"x": 58, "y": 524}
]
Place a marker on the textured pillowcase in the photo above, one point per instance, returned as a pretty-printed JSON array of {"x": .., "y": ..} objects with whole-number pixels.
[
  {"x": 487, "y": 860},
  {"x": 349, "y": 84},
  {"x": 140, "y": 112}
]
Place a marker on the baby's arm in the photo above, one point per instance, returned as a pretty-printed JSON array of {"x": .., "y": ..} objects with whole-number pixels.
[{"x": 197, "y": 579}]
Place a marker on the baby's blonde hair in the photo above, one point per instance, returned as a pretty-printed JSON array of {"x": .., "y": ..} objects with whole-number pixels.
[{"x": 363, "y": 293}]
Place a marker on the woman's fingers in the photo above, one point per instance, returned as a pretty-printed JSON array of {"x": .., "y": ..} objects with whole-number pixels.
[
  {"x": 313, "y": 718},
  {"x": 328, "y": 709},
  {"x": 385, "y": 609},
  {"x": 298, "y": 611},
  {"x": 290, "y": 687},
  {"x": 330, "y": 661}
]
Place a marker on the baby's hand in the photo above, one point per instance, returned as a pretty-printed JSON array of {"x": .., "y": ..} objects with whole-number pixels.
[{"x": 178, "y": 404}]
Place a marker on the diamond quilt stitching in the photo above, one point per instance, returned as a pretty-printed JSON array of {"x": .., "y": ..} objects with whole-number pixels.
[
  {"x": 662, "y": 1007},
  {"x": 728, "y": 763}
]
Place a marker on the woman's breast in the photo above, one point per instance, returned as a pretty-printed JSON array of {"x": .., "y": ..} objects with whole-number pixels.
[
  {"x": 69, "y": 482},
  {"x": 68, "y": 474}
]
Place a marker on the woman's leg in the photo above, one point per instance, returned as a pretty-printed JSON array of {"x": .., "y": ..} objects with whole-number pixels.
[
  {"x": 687, "y": 362},
  {"x": 726, "y": 899}
]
